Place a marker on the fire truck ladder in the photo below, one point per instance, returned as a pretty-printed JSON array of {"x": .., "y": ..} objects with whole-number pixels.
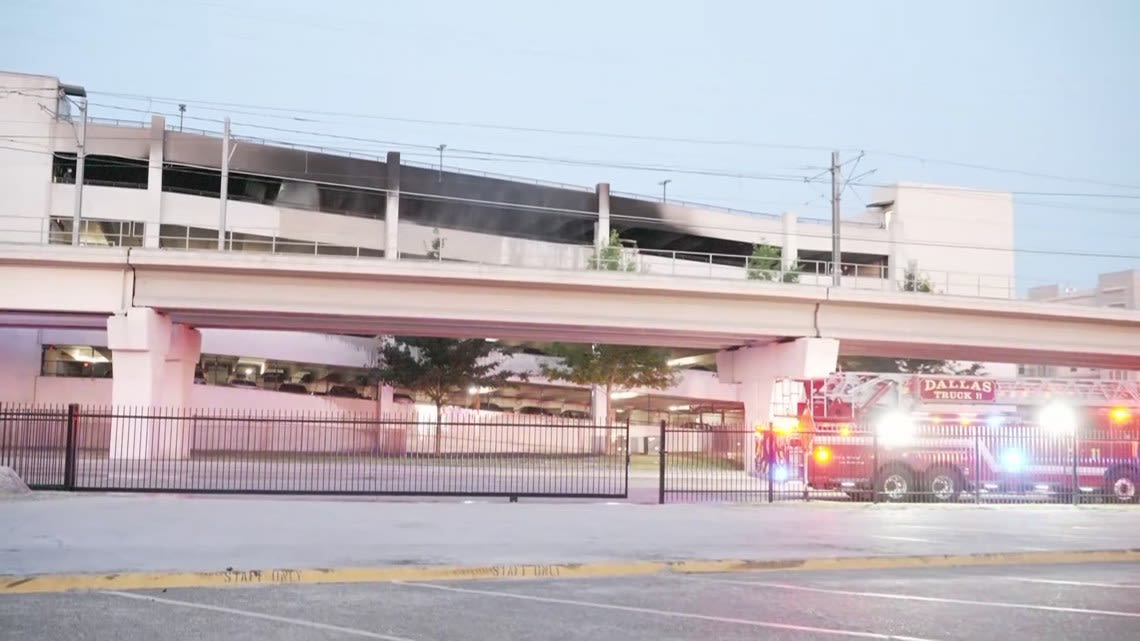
[
  {"x": 863, "y": 390},
  {"x": 859, "y": 390},
  {"x": 1096, "y": 392}
]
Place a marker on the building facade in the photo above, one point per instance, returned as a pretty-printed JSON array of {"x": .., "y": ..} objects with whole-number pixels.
[{"x": 1120, "y": 290}]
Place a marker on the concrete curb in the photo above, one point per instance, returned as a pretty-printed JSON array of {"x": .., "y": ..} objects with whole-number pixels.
[{"x": 47, "y": 583}]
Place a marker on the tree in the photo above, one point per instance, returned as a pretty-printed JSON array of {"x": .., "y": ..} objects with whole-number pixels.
[
  {"x": 913, "y": 281},
  {"x": 766, "y": 263},
  {"x": 611, "y": 256},
  {"x": 611, "y": 367},
  {"x": 435, "y": 250},
  {"x": 436, "y": 367}
]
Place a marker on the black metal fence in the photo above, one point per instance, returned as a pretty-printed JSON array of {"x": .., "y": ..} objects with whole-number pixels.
[
  {"x": 202, "y": 451},
  {"x": 937, "y": 463}
]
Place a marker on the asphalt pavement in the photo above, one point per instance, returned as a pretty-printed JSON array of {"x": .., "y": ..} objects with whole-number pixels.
[{"x": 1041, "y": 603}]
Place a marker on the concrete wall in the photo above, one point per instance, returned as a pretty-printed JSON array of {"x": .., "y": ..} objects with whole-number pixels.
[
  {"x": 961, "y": 238},
  {"x": 27, "y": 129},
  {"x": 19, "y": 365}
]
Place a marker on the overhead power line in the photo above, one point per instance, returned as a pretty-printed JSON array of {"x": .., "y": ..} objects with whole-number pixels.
[{"x": 290, "y": 113}]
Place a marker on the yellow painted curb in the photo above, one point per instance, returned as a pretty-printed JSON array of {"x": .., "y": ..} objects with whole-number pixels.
[{"x": 30, "y": 584}]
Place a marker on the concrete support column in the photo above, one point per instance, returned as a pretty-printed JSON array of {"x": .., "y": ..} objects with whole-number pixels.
[
  {"x": 789, "y": 245},
  {"x": 602, "y": 229},
  {"x": 173, "y": 439},
  {"x": 387, "y": 405},
  {"x": 599, "y": 415},
  {"x": 897, "y": 260},
  {"x": 762, "y": 374},
  {"x": 154, "y": 362},
  {"x": 392, "y": 207},
  {"x": 153, "y": 221}
]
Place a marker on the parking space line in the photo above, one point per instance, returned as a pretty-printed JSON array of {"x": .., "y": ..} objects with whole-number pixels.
[
  {"x": 914, "y": 597},
  {"x": 668, "y": 613},
  {"x": 1091, "y": 584},
  {"x": 266, "y": 617}
]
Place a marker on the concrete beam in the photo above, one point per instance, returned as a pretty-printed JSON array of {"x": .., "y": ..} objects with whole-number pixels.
[{"x": 331, "y": 294}]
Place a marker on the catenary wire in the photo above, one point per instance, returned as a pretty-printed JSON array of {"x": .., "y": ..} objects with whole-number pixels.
[{"x": 288, "y": 113}]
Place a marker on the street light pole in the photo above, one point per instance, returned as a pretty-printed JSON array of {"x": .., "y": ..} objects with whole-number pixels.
[
  {"x": 80, "y": 162},
  {"x": 224, "y": 191},
  {"x": 441, "y": 148},
  {"x": 836, "y": 255},
  {"x": 664, "y": 188}
]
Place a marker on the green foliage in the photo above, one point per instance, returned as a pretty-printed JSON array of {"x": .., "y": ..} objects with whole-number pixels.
[
  {"x": 913, "y": 281},
  {"x": 435, "y": 250},
  {"x": 611, "y": 367},
  {"x": 885, "y": 365},
  {"x": 766, "y": 263},
  {"x": 437, "y": 367},
  {"x": 611, "y": 257}
]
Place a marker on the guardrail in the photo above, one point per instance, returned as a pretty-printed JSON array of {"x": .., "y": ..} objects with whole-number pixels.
[{"x": 363, "y": 238}]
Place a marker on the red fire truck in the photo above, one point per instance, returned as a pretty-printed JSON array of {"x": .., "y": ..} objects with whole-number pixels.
[{"x": 907, "y": 437}]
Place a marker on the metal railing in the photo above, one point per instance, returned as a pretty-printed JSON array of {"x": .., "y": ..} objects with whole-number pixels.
[
  {"x": 460, "y": 246},
  {"x": 264, "y": 452},
  {"x": 979, "y": 462}
]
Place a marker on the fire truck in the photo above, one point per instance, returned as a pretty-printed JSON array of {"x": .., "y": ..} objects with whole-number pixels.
[{"x": 906, "y": 437}]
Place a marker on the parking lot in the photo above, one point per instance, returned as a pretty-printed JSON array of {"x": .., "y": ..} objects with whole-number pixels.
[{"x": 1054, "y": 602}]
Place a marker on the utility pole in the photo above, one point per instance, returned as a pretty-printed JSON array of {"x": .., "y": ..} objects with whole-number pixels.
[
  {"x": 664, "y": 187},
  {"x": 224, "y": 194},
  {"x": 836, "y": 256},
  {"x": 441, "y": 148},
  {"x": 80, "y": 158},
  {"x": 181, "y": 112}
]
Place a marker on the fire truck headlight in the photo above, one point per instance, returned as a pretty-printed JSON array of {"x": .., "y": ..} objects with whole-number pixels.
[
  {"x": 1013, "y": 461},
  {"x": 780, "y": 474},
  {"x": 1120, "y": 415},
  {"x": 1058, "y": 419},
  {"x": 822, "y": 455},
  {"x": 896, "y": 428}
]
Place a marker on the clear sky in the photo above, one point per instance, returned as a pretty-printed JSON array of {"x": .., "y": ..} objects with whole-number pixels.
[{"x": 1047, "y": 88}]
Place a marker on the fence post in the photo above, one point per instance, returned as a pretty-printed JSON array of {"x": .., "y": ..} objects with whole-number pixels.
[
  {"x": 874, "y": 465},
  {"x": 661, "y": 464},
  {"x": 1076, "y": 460},
  {"x": 770, "y": 458},
  {"x": 977, "y": 463},
  {"x": 70, "y": 446}
]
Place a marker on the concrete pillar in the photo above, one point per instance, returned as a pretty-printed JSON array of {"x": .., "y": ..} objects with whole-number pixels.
[
  {"x": 385, "y": 400},
  {"x": 602, "y": 230},
  {"x": 789, "y": 245},
  {"x": 761, "y": 373},
  {"x": 153, "y": 220},
  {"x": 392, "y": 207},
  {"x": 599, "y": 406},
  {"x": 897, "y": 260},
  {"x": 154, "y": 362}
]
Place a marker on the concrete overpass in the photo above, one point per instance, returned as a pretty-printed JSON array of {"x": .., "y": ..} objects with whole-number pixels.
[
  {"x": 81, "y": 287},
  {"x": 153, "y": 301}
]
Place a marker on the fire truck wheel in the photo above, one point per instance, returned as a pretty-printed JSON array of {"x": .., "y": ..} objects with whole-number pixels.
[
  {"x": 896, "y": 483},
  {"x": 944, "y": 485},
  {"x": 1123, "y": 485}
]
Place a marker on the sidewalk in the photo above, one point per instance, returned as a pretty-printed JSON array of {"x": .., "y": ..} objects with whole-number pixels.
[{"x": 54, "y": 533}]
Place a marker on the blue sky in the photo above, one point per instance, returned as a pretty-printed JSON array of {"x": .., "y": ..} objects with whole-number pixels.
[{"x": 1037, "y": 86}]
